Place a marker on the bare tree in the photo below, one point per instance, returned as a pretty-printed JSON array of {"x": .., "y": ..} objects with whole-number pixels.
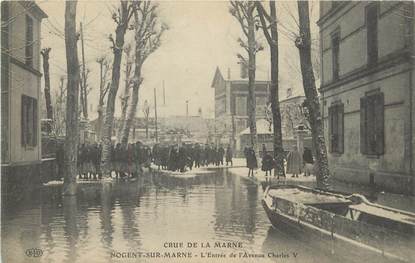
[
  {"x": 84, "y": 78},
  {"x": 59, "y": 118},
  {"x": 126, "y": 96},
  {"x": 269, "y": 26},
  {"x": 49, "y": 111},
  {"x": 148, "y": 33},
  {"x": 146, "y": 112},
  {"x": 72, "y": 62},
  {"x": 103, "y": 90},
  {"x": 244, "y": 12},
  {"x": 292, "y": 116},
  {"x": 303, "y": 43},
  {"x": 121, "y": 18}
]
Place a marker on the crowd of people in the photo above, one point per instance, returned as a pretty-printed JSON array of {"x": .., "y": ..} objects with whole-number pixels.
[
  {"x": 296, "y": 163},
  {"x": 128, "y": 161},
  {"x": 175, "y": 158}
]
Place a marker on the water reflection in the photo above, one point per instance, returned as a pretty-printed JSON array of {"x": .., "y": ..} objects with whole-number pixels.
[
  {"x": 71, "y": 229},
  {"x": 140, "y": 216}
]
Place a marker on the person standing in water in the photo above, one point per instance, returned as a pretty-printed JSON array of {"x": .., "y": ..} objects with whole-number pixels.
[{"x": 294, "y": 162}]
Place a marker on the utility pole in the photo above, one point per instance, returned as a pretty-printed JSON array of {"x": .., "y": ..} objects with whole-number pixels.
[
  {"x": 155, "y": 113},
  {"x": 164, "y": 95},
  {"x": 84, "y": 101},
  {"x": 233, "y": 133},
  {"x": 187, "y": 108}
]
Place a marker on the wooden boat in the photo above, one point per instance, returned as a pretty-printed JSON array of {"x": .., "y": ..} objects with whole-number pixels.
[{"x": 349, "y": 225}]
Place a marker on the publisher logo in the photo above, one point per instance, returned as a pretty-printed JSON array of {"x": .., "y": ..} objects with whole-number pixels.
[{"x": 34, "y": 252}]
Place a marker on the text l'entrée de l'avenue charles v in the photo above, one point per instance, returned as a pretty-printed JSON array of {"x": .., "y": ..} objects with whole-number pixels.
[{"x": 202, "y": 250}]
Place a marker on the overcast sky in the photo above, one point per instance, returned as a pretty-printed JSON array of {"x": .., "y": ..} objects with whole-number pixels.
[{"x": 202, "y": 36}]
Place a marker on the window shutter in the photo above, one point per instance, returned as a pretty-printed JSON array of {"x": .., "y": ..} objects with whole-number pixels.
[
  {"x": 363, "y": 148},
  {"x": 24, "y": 121},
  {"x": 380, "y": 124},
  {"x": 35, "y": 122},
  {"x": 330, "y": 129},
  {"x": 340, "y": 128}
]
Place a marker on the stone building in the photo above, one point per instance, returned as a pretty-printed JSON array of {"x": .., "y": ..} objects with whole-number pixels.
[
  {"x": 21, "y": 156},
  {"x": 368, "y": 91},
  {"x": 231, "y": 105},
  {"x": 20, "y": 86}
]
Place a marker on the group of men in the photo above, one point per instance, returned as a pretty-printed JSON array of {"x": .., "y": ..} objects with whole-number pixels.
[
  {"x": 128, "y": 161},
  {"x": 125, "y": 160},
  {"x": 175, "y": 158}
]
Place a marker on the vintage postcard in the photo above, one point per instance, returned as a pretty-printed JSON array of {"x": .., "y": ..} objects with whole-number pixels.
[{"x": 207, "y": 131}]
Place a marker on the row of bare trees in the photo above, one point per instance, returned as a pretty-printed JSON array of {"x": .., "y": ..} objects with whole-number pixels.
[
  {"x": 147, "y": 38},
  {"x": 251, "y": 16}
]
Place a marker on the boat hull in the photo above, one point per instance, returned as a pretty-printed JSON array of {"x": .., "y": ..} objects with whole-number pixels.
[{"x": 346, "y": 249}]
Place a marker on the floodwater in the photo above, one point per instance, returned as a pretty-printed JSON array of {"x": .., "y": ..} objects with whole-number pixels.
[{"x": 170, "y": 219}]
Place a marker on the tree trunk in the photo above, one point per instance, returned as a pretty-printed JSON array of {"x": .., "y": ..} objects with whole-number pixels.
[
  {"x": 147, "y": 127},
  {"x": 112, "y": 93},
  {"x": 303, "y": 44},
  {"x": 125, "y": 99},
  {"x": 49, "y": 110},
  {"x": 99, "y": 121},
  {"x": 251, "y": 83},
  {"x": 101, "y": 100},
  {"x": 84, "y": 79},
  {"x": 134, "y": 101},
  {"x": 275, "y": 104},
  {"x": 72, "y": 138}
]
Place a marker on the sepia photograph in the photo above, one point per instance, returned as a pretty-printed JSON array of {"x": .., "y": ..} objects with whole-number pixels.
[{"x": 193, "y": 131}]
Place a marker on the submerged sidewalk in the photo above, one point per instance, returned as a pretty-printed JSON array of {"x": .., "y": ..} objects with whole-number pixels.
[{"x": 398, "y": 201}]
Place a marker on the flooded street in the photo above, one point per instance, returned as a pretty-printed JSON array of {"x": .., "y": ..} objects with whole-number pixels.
[{"x": 156, "y": 214}]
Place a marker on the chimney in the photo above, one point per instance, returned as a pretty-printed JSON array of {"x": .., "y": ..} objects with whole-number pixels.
[{"x": 229, "y": 73}]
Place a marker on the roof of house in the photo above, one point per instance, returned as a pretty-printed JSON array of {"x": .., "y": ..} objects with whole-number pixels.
[
  {"x": 218, "y": 77},
  {"x": 32, "y": 7}
]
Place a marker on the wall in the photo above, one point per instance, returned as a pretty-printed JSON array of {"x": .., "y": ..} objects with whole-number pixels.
[
  {"x": 23, "y": 81},
  {"x": 392, "y": 76},
  {"x": 351, "y": 22}
]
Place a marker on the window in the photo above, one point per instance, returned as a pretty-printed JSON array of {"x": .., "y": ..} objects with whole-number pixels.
[
  {"x": 29, "y": 121},
  {"x": 4, "y": 46},
  {"x": 372, "y": 33},
  {"x": 29, "y": 41},
  {"x": 241, "y": 105},
  {"x": 335, "y": 48},
  {"x": 336, "y": 128},
  {"x": 372, "y": 124},
  {"x": 261, "y": 105}
]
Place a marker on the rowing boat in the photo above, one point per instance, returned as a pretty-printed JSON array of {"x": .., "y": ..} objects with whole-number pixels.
[{"x": 349, "y": 224}]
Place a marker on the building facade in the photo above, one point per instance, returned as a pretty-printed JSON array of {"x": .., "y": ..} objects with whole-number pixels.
[
  {"x": 368, "y": 91},
  {"x": 20, "y": 86},
  {"x": 231, "y": 105}
]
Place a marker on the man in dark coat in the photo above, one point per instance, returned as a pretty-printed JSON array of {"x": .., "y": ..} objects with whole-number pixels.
[
  {"x": 267, "y": 162},
  {"x": 229, "y": 155},
  {"x": 172, "y": 163},
  {"x": 221, "y": 154},
  {"x": 182, "y": 156},
  {"x": 251, "y": 161},
  {"x": 197, "y": 155},
  {"x": 81, "y": 161},
  {"x": 308, "y": 162}
]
